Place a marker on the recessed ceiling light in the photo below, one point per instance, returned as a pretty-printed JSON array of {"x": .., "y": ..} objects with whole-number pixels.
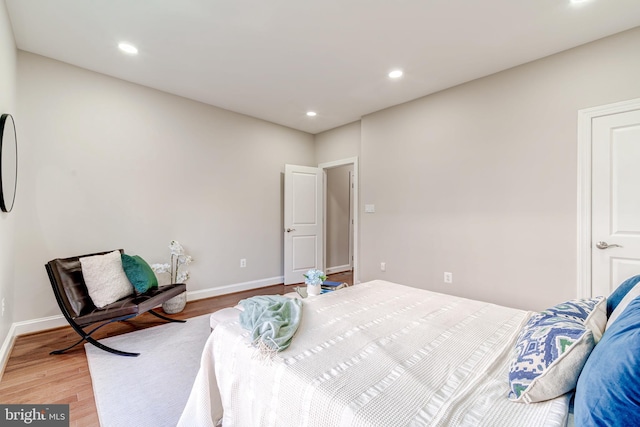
[
  {"x": 396, "y": 74},
  {"x": 311, "y": 113},
  {"x": 128, "y": 48},
  {"x": 579, "y": 1}
]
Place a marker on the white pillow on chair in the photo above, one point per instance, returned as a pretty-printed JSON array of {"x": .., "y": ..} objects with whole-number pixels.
[{"x": 105, "y": 278}]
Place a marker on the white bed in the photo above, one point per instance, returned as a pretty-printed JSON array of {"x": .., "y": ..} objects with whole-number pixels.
[{"x": 375, "y": 354}]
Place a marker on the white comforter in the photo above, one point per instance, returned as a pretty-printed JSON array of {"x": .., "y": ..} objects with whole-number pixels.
[{"x": 375, "y": 354}]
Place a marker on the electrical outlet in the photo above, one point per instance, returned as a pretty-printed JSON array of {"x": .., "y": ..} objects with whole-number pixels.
[
  {"x": 383, "y": 266},
  {"x": 448, "y": 277},
  {"x": 243, "y": 263},
  {"x": 3, "y": 306}
]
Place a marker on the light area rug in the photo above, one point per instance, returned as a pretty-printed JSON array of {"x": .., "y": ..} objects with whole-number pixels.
[{"x": 151, "y": 389}]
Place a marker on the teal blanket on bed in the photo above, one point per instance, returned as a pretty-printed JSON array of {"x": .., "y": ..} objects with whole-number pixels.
[{"x": 272, "y": 320}]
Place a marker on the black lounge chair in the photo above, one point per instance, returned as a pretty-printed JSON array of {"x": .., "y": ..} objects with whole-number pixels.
[{"x": 73, "y": 298}]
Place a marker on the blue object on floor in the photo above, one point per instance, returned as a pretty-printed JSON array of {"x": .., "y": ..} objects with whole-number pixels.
[{"x": 330, "y": 283}]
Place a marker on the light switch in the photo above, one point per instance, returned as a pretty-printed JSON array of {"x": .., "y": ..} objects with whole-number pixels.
[{"x": 369, "y": 208}]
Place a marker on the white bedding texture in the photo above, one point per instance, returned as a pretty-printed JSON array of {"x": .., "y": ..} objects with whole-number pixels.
[{"x": 375, "y": 354}]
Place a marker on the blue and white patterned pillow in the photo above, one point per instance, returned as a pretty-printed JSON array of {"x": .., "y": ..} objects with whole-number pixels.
[
  {"x": 548, "y": 357},
  {"x": 591, "y": 312}
]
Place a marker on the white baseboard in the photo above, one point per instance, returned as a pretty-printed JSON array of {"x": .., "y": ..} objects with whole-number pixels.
[
  {"x": 26, "y": 327},
  {"x": 338, "y": 269},
  {"x": 44, "y": 323},
  {"x": 236, "y": 287},
  {"x": 5, "y": 350},
  {"x": 37, "y": 325}
]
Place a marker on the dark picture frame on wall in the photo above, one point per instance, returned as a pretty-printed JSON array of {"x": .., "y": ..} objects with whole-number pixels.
[{"x": 8, "y": 162}]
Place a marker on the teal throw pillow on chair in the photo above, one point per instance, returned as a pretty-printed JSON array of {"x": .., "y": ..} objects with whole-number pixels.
[{"x": 139, "y": 273}]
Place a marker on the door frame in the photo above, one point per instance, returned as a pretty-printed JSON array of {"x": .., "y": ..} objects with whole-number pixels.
[
  {"x": 329, "y": 165},
  {"x": 585, "y": 118},
  {"x": 352, "y": 209}
]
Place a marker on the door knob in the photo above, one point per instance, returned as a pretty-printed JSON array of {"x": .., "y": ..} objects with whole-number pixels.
[
  {"x": 605, "y": 245},
  {"x": 289, "y": 230}
]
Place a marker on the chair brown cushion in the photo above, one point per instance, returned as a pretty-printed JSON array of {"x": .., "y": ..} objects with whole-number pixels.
[
  {"x": 67, "y": 275},
  {"x": 120, "y": 308},
  {"x": 156, "y": 296},
  {"x": 70, "y": 283}
]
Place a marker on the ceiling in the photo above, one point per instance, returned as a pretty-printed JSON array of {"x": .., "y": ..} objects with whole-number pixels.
[{"x": 277, "y": 59}]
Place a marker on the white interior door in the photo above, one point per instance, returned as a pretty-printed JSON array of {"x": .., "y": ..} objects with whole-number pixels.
[
  {"x": 303, "y": 213},
  {"x": 615, "y": 210}
]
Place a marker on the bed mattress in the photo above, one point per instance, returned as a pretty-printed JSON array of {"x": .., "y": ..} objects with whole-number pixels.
[{"x": 374, "y": 354}]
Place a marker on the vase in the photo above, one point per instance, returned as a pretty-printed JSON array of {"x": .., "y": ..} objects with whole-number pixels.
[
  {"x": 175, "y": 304},
  {"x": 313, "y": 290}
]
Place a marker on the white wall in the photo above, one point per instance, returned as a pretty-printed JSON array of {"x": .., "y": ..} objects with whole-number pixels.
[
  {"x": 337, "y": 144},
  {"x": 481, "y": 180},
  {"x": 109, "y": 164},
  {"x": 8, "y": 54}
]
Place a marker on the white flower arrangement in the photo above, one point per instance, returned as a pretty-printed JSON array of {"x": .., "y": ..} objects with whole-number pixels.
[
  {"x": 314, "y": 277},
  {"x": 178, "y": 259}
]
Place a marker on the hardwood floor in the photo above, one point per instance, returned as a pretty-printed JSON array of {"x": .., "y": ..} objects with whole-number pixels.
[{"x": 34, "y": 376}]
